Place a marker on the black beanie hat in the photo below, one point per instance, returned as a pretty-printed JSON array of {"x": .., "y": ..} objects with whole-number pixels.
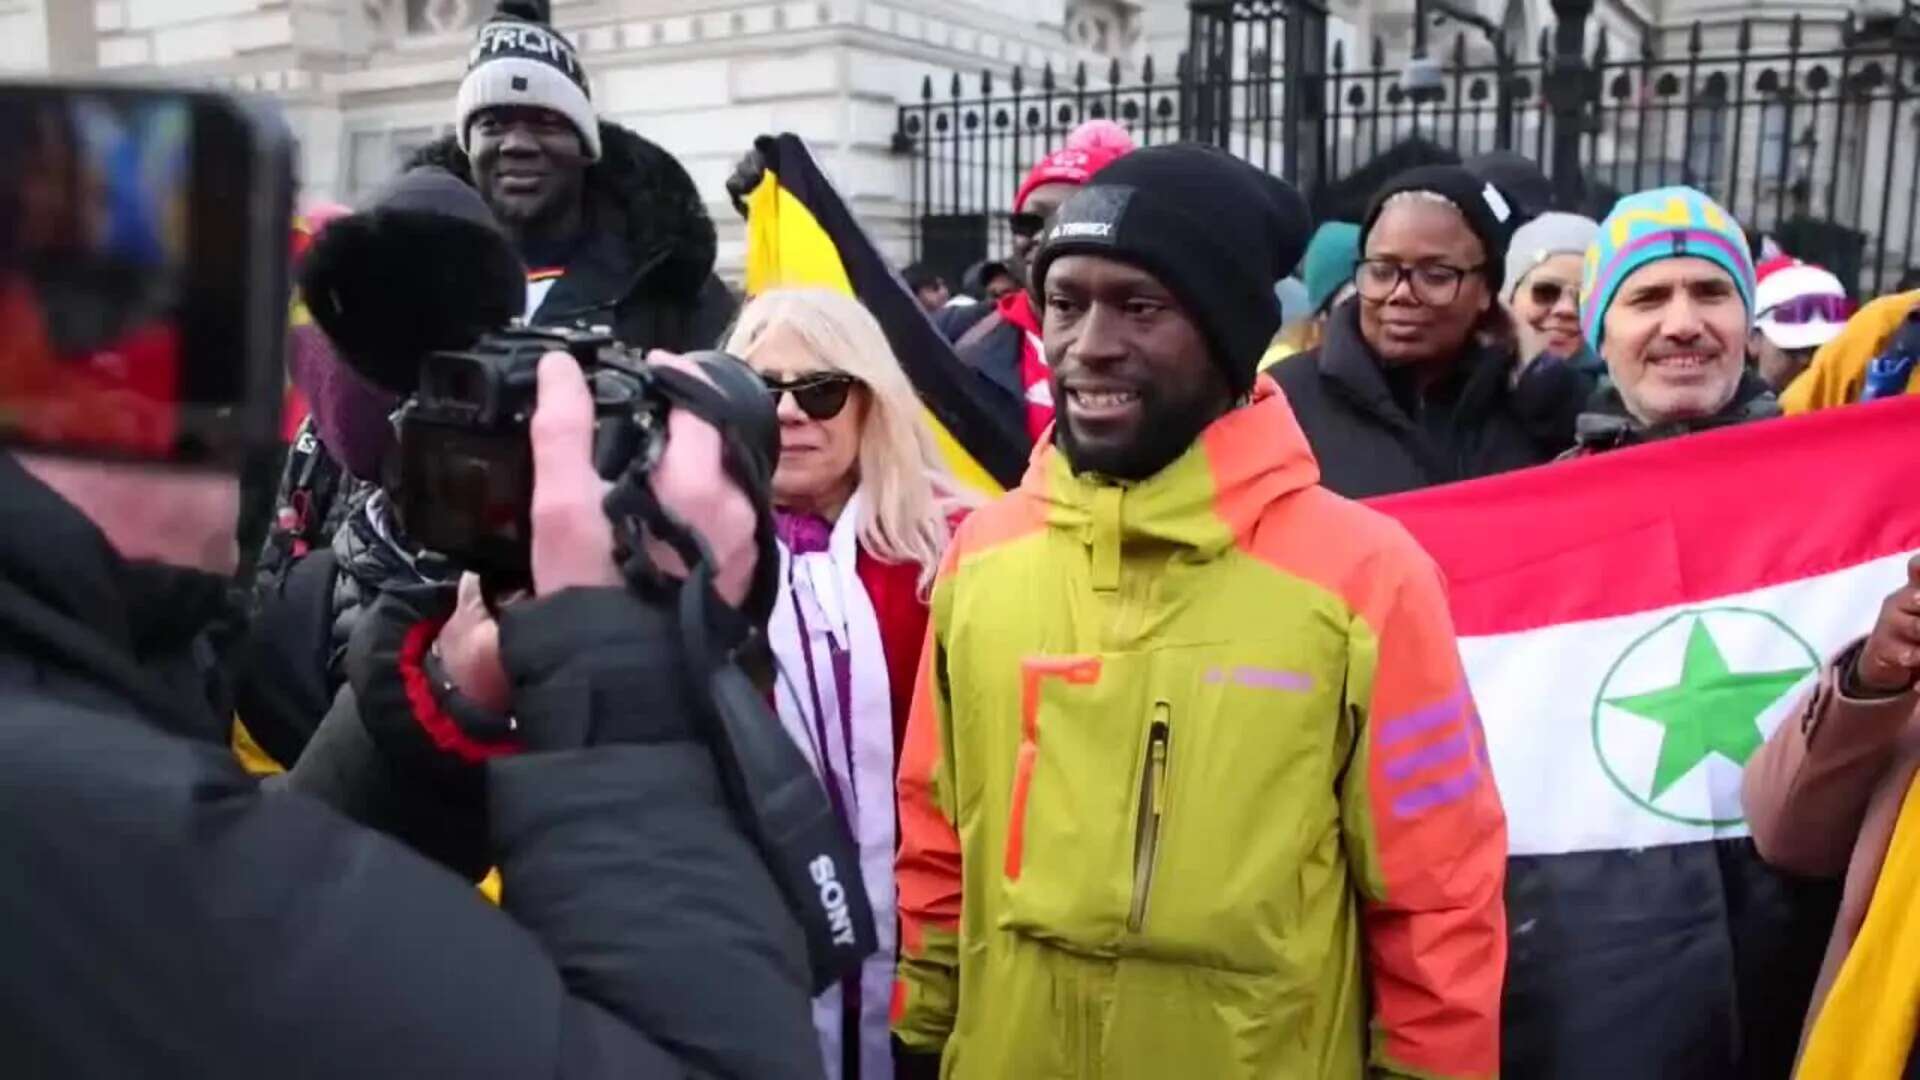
[
  {"x": 1488, "y": 213},
  {"x": 1519, "y": 178},
  {"x": 1214, "y": 230}
]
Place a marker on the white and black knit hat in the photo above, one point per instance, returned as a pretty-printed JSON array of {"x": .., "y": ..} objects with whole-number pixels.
[{"x": 520, "y": 59}]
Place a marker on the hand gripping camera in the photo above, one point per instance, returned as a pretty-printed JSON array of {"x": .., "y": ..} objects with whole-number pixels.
[{"x": 465, "y": 489}]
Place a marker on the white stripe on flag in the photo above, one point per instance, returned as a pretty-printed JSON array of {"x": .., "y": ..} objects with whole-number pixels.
[{"x": 1579, "y": 771}]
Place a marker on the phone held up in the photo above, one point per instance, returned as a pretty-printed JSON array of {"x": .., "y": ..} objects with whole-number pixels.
[{"x": 143, "y": 272}]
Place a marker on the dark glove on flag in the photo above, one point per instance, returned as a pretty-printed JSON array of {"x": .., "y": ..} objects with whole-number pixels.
[{"x": 800, "y": 233}]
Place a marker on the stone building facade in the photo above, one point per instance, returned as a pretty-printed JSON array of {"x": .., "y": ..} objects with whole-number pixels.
[{"x": 364, "y": 82}]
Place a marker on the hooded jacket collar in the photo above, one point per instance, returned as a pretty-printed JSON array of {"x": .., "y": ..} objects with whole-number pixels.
[
  {"x": 143, "y": 632},
  {"x": 648, "y": 223},
  {"x": 1607, "y": 425},
  {"x": 1196, "y": 507}
]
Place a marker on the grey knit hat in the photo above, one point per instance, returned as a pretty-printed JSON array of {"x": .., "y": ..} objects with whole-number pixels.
[
  {"x": 1552, "y": 233},
  {"x": 520, "y": 59}
]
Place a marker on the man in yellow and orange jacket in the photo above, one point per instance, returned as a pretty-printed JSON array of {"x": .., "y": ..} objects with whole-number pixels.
[{"x": 1192, "y": 785}]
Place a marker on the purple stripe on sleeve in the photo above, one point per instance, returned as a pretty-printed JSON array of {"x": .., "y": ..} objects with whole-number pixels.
[
  {"x": 1440, "y": 792},
  {"x": 1401, "y": 728},
  {"x": 1452, "y": 748}
]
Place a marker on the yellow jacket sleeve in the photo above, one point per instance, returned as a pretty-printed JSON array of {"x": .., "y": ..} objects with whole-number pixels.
[{"x": 1839, "y": 369}]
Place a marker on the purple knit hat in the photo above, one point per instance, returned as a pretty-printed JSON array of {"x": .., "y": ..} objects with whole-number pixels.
[{"x": 350, "y": 414}]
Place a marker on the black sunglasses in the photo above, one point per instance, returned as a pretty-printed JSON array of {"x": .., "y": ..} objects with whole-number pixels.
[
  {"x": 1026, "y": 225},
  {"x": 821, "y": 396},
  {"x": 1547, "y": 293}
]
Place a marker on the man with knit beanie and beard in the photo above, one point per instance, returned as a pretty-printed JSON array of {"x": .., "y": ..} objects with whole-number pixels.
[
  {"x": 1003, "y": 346},
  {"x": 1192, "y": 784},
  {"x": 609, "y": 225}
]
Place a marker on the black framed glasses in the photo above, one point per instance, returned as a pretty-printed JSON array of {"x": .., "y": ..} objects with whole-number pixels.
[
  {"x": 820, "y": 396},
  {"x": 1432, "y": 283}
]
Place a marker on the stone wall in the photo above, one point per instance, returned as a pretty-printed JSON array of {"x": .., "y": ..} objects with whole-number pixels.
[{"x": 700, "y": 77}]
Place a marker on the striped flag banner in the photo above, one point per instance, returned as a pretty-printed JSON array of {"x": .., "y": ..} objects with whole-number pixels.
[
  {"x": 1634, "y": 625},
  {"x": 799, "y": 232}
]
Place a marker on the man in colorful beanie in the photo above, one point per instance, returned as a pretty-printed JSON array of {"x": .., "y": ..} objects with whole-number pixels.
[
  {"x": 1003, "y": 346},
  {"x": 1192, "y": 784},
  {"x": 1666, "y": 299},
  {"x": 609, "y": 225}
]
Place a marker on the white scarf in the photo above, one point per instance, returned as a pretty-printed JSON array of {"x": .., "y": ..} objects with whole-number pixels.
[{"x": 828, "y": 595}]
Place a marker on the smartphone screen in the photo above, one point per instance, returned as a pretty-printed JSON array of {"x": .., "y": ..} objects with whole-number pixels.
[{"x": 143, "y": 240}]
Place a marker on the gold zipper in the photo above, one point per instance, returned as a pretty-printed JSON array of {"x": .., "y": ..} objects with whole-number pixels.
[{"x": 1153, "y": 798}]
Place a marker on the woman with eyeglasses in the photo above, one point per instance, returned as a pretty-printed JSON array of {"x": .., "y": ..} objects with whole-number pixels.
[
  {"x": 864, "y": 509},
  {"x": 1412, "y": 386}
]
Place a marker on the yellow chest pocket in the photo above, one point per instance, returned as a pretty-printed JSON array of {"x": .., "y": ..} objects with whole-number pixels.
[{"x": 1171, "y": 803}]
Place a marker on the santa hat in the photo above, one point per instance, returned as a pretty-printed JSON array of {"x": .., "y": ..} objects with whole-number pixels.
[
  {"x": 1784, "y": 280},
  {"x": 1091, "y": 147}
]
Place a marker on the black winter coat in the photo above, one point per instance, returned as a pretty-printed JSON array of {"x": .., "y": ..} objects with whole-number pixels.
[
  {"x": 646, "y": 267},
  {"x": 168, "y": 916},
  {"x": 992, "y": 347},
  {"x": 1473, "y": 424}
]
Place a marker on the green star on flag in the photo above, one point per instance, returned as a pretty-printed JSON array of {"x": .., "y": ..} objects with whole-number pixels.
[{"x": 1713, "y": 710}]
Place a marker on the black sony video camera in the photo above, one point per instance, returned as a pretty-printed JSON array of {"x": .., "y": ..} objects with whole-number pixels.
[
  {"x": 466, "y": 470},
  {"x": 466, "y": 488}
]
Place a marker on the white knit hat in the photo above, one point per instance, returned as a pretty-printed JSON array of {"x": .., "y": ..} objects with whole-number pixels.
[{"x": 519, "y": 59}]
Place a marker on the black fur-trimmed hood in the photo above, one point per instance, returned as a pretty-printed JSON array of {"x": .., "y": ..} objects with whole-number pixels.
[{"x": 647, "y": 188}]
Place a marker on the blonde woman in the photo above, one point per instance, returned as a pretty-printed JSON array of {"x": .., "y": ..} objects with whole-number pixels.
[{"x": 864, "y": 510}]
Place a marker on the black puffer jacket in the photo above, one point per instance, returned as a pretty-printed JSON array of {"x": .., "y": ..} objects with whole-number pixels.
[
  {"x": 1374, "y": 436},
  {"x": 646, "y": 268},
  {"x": 171, "y": 917}
]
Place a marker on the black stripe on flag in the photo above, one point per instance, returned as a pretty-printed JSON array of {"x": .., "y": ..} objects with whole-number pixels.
[
  {"x": 1688, "y": 960},
  {"x": 955, "y": 395}
]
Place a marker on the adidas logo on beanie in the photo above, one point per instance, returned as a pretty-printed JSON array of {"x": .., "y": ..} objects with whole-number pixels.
[{"x": 519, "y": 59}]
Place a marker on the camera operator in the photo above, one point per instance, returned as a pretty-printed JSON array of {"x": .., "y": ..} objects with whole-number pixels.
[{"x": 170, "y": 916}]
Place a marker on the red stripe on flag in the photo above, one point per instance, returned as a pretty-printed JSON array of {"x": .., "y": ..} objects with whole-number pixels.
[{"x": 1680, "y": 521}]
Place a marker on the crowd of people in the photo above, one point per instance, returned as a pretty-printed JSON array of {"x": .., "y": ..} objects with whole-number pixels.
[{"x": 1108, "y": 746}]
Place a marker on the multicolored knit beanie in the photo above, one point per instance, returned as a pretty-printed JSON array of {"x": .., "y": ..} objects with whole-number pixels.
[{"x": 1647, "y": 226}]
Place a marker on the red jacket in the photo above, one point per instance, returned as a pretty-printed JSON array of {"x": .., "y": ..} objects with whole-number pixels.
[{"x": 894, "y": 589}]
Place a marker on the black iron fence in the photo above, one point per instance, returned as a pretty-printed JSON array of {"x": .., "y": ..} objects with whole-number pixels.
[{"x": 1809, "y": 132}]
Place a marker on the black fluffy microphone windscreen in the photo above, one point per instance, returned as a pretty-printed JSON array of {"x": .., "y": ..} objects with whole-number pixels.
[{"x": 424, "y": 267}]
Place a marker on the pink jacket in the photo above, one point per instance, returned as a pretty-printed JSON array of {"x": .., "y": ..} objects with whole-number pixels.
[{"x": 1824, "y": 792}]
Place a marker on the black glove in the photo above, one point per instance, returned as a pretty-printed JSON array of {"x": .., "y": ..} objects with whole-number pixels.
[
  {"x": 597, "y": 666},
  {"x": 746, "y": 177},
  {"x": 406, "y": 701}
]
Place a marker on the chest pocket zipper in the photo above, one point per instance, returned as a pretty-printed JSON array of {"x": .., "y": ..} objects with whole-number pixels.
[{"x": 1153, "y": 795}]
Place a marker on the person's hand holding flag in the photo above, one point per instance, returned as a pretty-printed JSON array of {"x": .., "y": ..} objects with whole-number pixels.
[{"x": 1889, "y": 662}]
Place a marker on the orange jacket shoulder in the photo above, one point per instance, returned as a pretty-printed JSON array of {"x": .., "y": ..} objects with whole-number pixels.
[{"x": 1337, "y": 544}]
